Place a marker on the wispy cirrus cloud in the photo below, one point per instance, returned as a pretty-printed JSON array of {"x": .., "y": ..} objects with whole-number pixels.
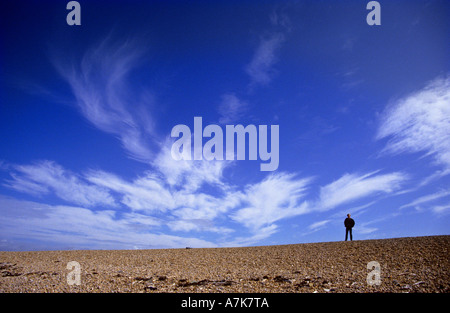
[
  {"x": 420, "y": 122},
  {"x": 283, "y": 195},
  {"x": 150, "y": 201},
  {"x": 46, "y": 177},
  {"x": 200, "y": 225},
  {"x": 260, "y": 69},
  {"x": 174, "y": 197},
  {"x": 351, "y": 187},
  {"x": 231, "y": 108},
  {"x": 426, "y": 199},
  {"x": 441, "y": 209},
  {"x": 354, "y": 188},
  {"x": 100, "y": 83},
  {"x": 154, "y": 195},
  {"x": 276, "y": 197},
  {"x": 318, "y": 225},
  {"x": 76, "y": 227},
  {"x": 146, "y": 193},
  {"x": 188, "y": 175},
  {"x": 261, "y": 234}
]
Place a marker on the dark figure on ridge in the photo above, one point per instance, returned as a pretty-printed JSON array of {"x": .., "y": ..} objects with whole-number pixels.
[{"x": 349, "y": 223}]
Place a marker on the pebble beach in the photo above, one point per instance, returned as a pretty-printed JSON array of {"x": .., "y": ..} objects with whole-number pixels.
[{"x": 411, "y": 264}]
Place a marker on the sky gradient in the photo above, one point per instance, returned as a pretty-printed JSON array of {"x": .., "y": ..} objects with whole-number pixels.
[{"x": 86, "y": 114}]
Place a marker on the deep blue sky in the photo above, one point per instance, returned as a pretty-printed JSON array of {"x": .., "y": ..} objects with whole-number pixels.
[{"x": 86, "y": 114}]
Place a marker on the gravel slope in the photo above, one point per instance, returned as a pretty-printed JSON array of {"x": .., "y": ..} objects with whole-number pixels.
[{"x": 416, "y": 264}]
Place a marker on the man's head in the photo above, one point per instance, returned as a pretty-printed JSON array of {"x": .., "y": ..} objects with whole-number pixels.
[{"x": 348, "y": 215}]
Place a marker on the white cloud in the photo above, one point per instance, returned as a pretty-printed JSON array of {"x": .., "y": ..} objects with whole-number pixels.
[
  {"x": 231, "y": 108},
  {"x": 364, "y": 229},
  {"x": 426, "y": 203},
  {"x": 182, "y": 210},
  {"x": 262, "y": 233},
  {"x": 188, "y": 175},
  {"x": 351, "y": 187},
  {"x": 81, "y": 228},
  {"x": 156, "y": 198},
  {"x": 441, "y": 209},
  {"x": 174, "y": 191},
  {"x": 26, "y": 185},
  {"x": 47, "y": 176},
  {"x": 260, "y": 69},
  {"x": 141, "y": 221},
  {"x": 147, "y": 193},
  {"x": 152, "y": 193},
  {"x": 279, "y": 18},
  {"x": 100, "y": 84},
  {"x": 204, "y": 206},
  {"x": 427, "y": 198},
  {"x": 359, "y": 209},
  {"x": 276, "y": 197},
  {"x": 318, "y": 225},
  {"x": 420, "y": 122},
  {"x": 197, "y": 225}
]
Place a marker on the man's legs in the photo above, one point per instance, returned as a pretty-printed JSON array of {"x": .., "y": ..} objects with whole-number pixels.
[{"x": 348, "y": 230}]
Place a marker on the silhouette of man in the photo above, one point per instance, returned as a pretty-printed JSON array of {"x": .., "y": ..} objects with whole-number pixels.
[{"x": 349, "y": 223}]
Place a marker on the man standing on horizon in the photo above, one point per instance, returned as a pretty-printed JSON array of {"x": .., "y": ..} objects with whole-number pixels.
[{"x": 349, "y": 223}]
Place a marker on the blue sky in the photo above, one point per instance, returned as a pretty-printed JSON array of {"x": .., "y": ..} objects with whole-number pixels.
[{"x": 87, "y": 111}]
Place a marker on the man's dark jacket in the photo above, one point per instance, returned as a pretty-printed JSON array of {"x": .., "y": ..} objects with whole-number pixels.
[{"x": 349, "y": 222}]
